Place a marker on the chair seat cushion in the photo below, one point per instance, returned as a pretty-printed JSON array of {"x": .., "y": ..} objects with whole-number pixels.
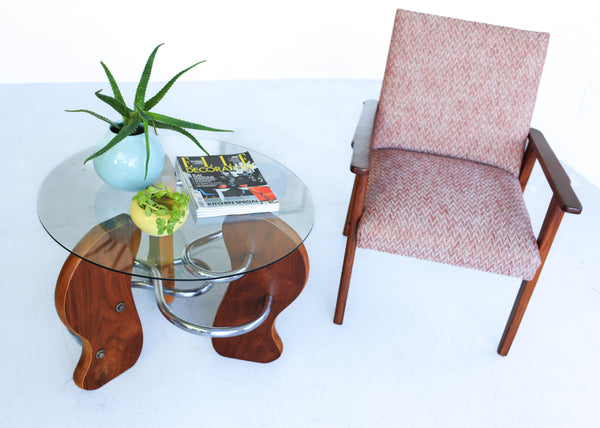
[{"x": 448, "y": 210}]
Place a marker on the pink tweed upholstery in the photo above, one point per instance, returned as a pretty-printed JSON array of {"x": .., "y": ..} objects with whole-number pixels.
[
  {"x": 448, "y": 210},
  {"x": 460, "y": 89}
]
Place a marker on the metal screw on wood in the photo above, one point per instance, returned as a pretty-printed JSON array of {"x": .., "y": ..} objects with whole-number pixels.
[
  {"x": 120, "y": 307},
  {"x": 100, "y": 354}
]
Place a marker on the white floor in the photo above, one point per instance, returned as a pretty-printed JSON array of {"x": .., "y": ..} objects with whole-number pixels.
[{"x": 417, "y": 349}]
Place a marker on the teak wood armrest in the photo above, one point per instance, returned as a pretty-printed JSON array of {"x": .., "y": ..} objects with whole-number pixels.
[
  {"x": 361, "y": 142},
  {"x": 538, "y": 148},
  {"x": 361, "y": 156},
  {"x": 563, "y": 201}
]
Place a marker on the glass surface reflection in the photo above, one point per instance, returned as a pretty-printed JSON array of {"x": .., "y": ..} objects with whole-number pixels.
[{"x": 73, "y": 200}]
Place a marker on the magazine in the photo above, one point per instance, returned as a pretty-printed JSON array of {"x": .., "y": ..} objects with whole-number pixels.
[{"x": 224, "y": 185}]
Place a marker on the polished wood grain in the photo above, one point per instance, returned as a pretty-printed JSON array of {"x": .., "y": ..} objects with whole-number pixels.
[
  {"x": 96, "y": 303},
  {"x": 545, "y": 239},
  {"x": 564, "y": 200},
  {"x": 363, "y": 136},
  {"x": 267, "y": 235},
  {"x": 161, "y": 254},
  {"x": 555, "y": 174},
  {"x": 360, "y": 166},
  {"x": 527, "y": 166},
  {"x": 350, "y": 208},
  {"x": 357, "y": 202}
]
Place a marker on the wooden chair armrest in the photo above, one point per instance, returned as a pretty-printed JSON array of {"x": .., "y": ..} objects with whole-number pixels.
[
  {"x": 555, "y": 174},
  {"x": 361, "y": 143}
]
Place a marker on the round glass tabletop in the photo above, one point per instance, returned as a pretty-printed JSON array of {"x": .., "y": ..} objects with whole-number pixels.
[{"x": 73, "y": 200}]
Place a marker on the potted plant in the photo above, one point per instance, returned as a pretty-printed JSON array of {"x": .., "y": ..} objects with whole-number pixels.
[
  {"x": 158, "y": 210},
  {"x": 130, "y": 157}
]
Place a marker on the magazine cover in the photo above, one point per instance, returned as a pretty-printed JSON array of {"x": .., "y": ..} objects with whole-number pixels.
[{"x": 225, "y": 184}]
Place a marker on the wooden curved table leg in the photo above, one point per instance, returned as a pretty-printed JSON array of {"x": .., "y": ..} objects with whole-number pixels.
[
  {"x": 243, "y": 301},
  {"x": 161, "y": 254},
  {"x": 96, "y": 304}
]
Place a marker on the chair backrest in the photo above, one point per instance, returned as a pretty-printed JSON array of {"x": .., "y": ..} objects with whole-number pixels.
[{"x": 459, "y": 88}]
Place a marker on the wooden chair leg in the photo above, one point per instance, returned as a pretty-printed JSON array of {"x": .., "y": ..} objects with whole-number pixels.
[
  {"x": 349, "y": 214},
  {"x": 546, "y": 236},
  {"x": 527, "y": 166},
  {"x": 516, "y": 315},
  {"x": 355, "y": 210},
  {"x": 340, "y": 307}
]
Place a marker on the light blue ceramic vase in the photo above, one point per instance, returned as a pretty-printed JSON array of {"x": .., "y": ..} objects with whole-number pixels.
[{"x": 124, "y": 165}]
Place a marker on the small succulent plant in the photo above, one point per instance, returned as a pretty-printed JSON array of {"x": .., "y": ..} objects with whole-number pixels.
[
  {"x": 169, "y": 207},
  {"x": 140, "y": 117}
]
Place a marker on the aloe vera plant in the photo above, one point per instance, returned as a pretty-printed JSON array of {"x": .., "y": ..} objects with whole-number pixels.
[{"x": 140, "y": 115}]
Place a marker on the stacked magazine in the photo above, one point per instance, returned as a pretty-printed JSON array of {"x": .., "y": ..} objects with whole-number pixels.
[{"x": 224, "y": 185}]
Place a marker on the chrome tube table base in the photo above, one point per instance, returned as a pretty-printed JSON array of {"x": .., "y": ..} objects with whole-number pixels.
[{"x": 96, "y": 303}]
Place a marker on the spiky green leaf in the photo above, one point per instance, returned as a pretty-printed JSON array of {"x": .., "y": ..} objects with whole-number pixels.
[
  {"x": 183, "y": 123},
  {"x": 140, "y": 93},
  {"x": 160, "y": 94},
  {"x": 119, "y": 106},
  {"x": 126, "y": 131},
  {"x": 113, "y": 84},
  {"x": 96, "y": 115},
  {"x": 147, "y": 147},
  {"x": 144, "y": 115},
  {"x": 182, "y": 131}
]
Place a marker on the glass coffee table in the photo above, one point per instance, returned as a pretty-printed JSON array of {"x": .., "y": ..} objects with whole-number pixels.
[{"x": 260, "y": 256}]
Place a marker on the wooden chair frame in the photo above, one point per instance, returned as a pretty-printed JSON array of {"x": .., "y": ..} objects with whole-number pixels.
[{"x": 563, "y": 201}]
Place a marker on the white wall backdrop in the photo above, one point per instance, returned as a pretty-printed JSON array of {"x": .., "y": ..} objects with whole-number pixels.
[{"x": 64, "y": 40}]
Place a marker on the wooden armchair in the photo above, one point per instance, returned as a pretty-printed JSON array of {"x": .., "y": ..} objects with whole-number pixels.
[{"x": 442, "y": 159}]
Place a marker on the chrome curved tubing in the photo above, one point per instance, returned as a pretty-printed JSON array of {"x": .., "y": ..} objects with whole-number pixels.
[
  {"x": 177, "y": 292},
  {"x": 217, "y": 332},
  {"x": 215, "y": 276},
  {"x": 201, "y": 272}
]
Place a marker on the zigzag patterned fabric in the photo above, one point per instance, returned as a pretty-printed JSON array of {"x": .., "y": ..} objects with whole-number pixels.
[
  {"x": 449, "y": 211},
  {"x": 460, "y": 89}
]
